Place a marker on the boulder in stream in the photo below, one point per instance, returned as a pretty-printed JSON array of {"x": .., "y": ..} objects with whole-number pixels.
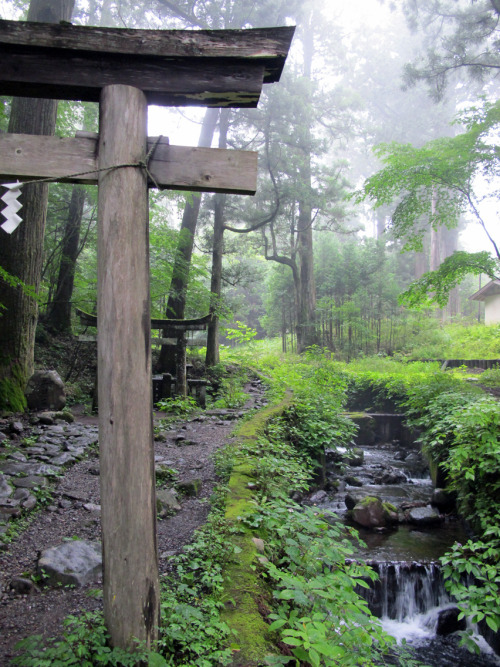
[
  {"x": 423, "y": 516},
  {"x": 371, "y": 512},
  {"x": 448, "y": 621}
]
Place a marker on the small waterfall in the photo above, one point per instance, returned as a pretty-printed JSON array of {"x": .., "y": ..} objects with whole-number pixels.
[{"x": 405, "y": 590}]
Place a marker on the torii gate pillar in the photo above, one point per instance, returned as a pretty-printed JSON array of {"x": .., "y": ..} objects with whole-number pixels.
[{"x": 130, "y": 561}]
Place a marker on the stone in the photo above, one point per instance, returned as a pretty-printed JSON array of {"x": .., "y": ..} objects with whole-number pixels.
[
  {"x": 371, "y": 512},
  {"x": 353, "y": 481},
  {"x": 355, "y": 457},
  {"x": 76, "y": 563},
  {"x": 47, "y": 418},
  {"x": 259, "y": 544},
  {"x": 21, "y": 585},
  {"x": 445, "y": 502},
  {"x": 166, "y": 501},
  {"x": 191, "y": 488},
  {"x": 75, "y": 495},
  {"x": 29, "y": 503},
  {"x": 448, "y": 622},
  {"x": 30, "y": 482},
  {"x": 352, "y": 499},
  {"x": 45, "y": 391},
  {"x": 423, "y": 516},
  {"x": 318, "y": 497},
  {"x": 3, "y": 437},
  {"x": 63, "y": 459},
  {"x": 5, "y": 488},
  {"x": 17, "y": 456},
  {"x": 21, "y": 494},
  {"x": 16, "y": 427},
  {"x": 391, "y": 476},
  {"x": 92, "y": 507}
]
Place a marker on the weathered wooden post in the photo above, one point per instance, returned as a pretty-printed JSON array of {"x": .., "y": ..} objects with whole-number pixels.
[{"x": 131, "y": 595}]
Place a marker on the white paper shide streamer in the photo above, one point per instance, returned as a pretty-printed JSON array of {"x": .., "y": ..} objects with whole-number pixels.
[{"x": 12, "y": 220}]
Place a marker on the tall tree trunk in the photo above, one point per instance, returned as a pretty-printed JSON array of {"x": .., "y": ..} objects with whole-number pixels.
[
  {"x": 306, "y": 325},
  {"x": 176, "y": 304},
  {"x": 21, "y": 253},
  {"x": 59, "y": 317},
  {"x": 212, "y": 356}
]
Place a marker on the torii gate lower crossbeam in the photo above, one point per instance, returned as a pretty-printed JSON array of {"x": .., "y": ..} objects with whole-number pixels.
[{"x": 130, "y": 562}]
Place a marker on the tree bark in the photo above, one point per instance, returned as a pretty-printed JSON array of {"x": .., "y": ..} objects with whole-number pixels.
[
  {"x": 212, "y": 355},
  {"x": 21, "y": 253},
  {"x": 59, "y": 316},
  {"x": 306, "y": 316},
  {"x": 176, "y": 304}
]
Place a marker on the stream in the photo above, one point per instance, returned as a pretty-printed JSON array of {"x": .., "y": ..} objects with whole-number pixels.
[{"x": 410, "y": 597}]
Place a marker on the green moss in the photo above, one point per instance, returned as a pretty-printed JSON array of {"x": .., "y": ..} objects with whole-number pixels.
[
  {"x": 243, "y": 589},
  {"x": 368, "y": 500},
  {"x": 389, "y": 507},
  {"x": 12, "y": 398}
]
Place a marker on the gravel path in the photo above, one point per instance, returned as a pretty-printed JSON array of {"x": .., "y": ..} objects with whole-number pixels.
[{"x": 186, "y": 447}]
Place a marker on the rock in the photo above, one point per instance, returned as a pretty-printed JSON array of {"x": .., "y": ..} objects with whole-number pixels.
[
  {"x": 3, "y": 437},
  {"x": 353, "y": 481},
  {"x": 191, "y": 488},
  {"x": 47, "y": 418},
  {"x": 390, "y": 476},
  {"x": 17, "y": 456},
  {"x": 29, "y": 503},
  {"x": 259, "y": 544},
  {"x": 371, "y": 512},
  {"x": 423, "y": 516},
  {"x": 352, "y": 499},
  {"x": 75, "y": 495},
  {"x": 445, "y": 502},
  {"x": 355, "y": 457},
  {"x": 92, "y": 507},
  {"x": 318, "y": 497},
  {"x": 11, "y": 468},
  {"x": 63, "y": 459},
  {"x": 21, "y": 494},
  {"x": 77, "y": 563},
  {"x": 448, "y": 621},
  {"x": 166, "y": 501},
  {"x": 16, "y": 427},
  {"x": 30, "y": 482},
  {"x": 21, "y": 585},
  {"x": 5, "y": 488},
  {"x": 45, "y": 391}
]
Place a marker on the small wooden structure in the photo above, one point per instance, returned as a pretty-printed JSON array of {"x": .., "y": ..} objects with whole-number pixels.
[
  {"x": 124, "y": 70},
  {"x": 490, "y": 294}
]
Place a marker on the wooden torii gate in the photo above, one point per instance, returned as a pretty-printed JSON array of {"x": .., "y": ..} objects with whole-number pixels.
[{"x": 125, "y": 70}]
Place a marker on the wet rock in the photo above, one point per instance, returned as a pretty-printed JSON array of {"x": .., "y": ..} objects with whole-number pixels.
[
  {"x": 45, "y": 391},
  {"x": 318, "y": 497},
  {"x": 355, "y": 457},
  {"x": 73, "y": 563},
  {"x": 353, "y": 481},
  {"x": 352, "y": 499},
  {"x": 423, "y": 516},
  {"x": 448, "y": 621},
  {"x": 445, "y": 502},
  {"x": 390, "y": 476},
  {"x": 166, "y": 501},
  {"x": 371, "y": 512}
]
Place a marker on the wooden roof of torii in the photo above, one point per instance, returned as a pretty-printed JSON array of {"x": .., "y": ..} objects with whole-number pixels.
[
  {"x": 222, "y": 68},
  {"x": 194, "y": 324}
]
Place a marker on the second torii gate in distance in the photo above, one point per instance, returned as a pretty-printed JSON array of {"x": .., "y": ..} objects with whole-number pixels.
[{"x": 125, "y": 70}]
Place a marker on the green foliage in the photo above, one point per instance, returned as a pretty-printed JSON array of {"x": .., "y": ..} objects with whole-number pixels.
[
  {"x": 85, "y": 642},
  {"x": 435, "y": 286},
  {"x": 317, "y": 611},
  {"x": 241, "y": 333},
  {"x": 180, "y": 406}
]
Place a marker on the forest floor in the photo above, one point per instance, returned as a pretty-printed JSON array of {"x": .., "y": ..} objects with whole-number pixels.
[{"x": 186, "y": 446}]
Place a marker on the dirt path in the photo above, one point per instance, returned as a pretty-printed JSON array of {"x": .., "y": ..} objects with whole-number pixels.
[{"x": 186, "y": 447}]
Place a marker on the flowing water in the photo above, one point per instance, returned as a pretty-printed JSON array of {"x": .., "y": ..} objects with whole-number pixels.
[{"x": 410, "y": 597}]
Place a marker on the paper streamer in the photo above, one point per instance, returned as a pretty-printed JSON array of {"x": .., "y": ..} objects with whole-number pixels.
[{"x": 12, "y": 220}]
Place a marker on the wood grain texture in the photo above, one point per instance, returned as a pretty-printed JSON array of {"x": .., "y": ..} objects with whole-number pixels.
[
  {"x": 30, "y": 157},
  {"x": 268, "y": 46},
  {"x": 165, "y": 82},
  {"x": 128, "y": 517}
]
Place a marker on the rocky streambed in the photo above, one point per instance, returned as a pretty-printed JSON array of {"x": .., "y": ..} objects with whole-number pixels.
[{"x": 49, "y": 493}]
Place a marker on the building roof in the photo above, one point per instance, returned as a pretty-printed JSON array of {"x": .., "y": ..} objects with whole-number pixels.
[{"x": 490, "y": 289}]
